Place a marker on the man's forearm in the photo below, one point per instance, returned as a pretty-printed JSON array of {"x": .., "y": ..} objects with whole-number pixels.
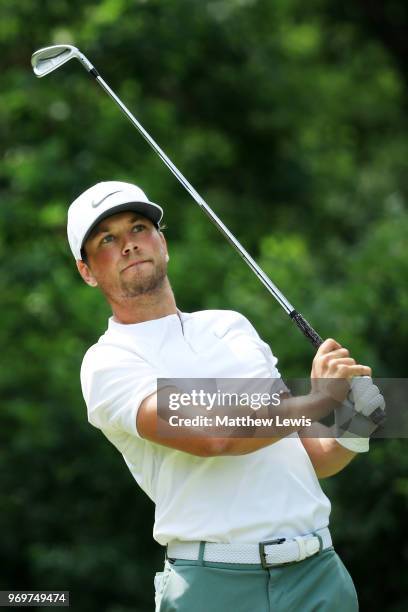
[
  {"x": 292, "y": 410},
  {"x": 286, "y": 418}
]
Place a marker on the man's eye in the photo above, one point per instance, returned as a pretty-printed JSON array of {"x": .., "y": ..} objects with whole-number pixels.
[
  {"x": 138, "y": 227},
  {"x": 106, "y": 239}
]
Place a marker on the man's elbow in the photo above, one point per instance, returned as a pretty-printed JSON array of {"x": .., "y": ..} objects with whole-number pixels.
[
  {"x": 322, "y": 474},
  {"x": 214, "y": 447}
]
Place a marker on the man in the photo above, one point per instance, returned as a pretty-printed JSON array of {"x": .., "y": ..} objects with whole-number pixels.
[{"x": 220, "y": 501}]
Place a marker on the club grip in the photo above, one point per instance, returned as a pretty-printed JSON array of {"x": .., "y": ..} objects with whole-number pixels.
[{"x": 306, "y": 328}]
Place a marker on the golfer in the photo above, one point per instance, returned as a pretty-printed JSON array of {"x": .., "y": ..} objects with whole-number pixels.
[{"x": 244, "y": 522}]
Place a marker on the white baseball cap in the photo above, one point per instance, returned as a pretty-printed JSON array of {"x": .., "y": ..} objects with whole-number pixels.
[{"x": 101, "y": 201}]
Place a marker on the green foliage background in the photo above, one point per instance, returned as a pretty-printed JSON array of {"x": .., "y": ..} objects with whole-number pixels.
[{"x": 290, "y": 119}]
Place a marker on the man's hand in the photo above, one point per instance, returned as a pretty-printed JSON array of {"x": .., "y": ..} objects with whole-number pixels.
[
  {"x": 333, "y": 369},
  {"x": 366, "y": 396},
  {"x": 354, "y": 419}
]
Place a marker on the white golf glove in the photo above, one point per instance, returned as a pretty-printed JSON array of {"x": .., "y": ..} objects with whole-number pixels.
[{"x": 360, "y": 415}]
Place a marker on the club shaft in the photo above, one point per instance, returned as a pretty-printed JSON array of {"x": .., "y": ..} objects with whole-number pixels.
[
  {"x": 200, "y": 201},
  {"x": 303, "y": 325}
]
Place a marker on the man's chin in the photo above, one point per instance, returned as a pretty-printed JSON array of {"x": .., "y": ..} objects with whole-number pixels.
[{"x": 135, "y": 289}]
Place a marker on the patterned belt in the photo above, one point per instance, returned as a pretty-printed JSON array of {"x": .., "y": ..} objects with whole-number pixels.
[{"x": 268, "y": 553}]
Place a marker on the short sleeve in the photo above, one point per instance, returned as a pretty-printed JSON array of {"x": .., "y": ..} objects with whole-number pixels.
[{"x": 114, "y": 384}]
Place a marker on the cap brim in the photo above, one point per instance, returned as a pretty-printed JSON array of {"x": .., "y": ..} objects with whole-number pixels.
[{"x": 148, "y": 209}]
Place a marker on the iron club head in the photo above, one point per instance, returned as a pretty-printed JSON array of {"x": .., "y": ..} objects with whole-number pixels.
[{"x": 48, "y": 59}]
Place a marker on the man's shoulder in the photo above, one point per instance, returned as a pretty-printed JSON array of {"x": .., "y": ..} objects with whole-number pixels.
[
  {"x": 219, "y": 321},
  {"x": 104, "y": 354},
  {"x": 115, "y": 344},
  {"x": 213, "y": 314}
]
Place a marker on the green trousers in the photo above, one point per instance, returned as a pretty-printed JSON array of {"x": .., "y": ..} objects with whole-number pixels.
[{"x": 318, "y": 584}]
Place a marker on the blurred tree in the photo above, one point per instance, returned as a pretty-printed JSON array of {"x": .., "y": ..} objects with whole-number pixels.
[{"x": 290, "y": 119}]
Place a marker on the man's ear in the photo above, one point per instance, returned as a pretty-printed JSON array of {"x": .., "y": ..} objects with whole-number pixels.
[{"x": 85, "y": 272}]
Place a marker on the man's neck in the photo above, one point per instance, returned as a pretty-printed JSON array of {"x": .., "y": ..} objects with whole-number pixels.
[{"x": 145, "y": 307}]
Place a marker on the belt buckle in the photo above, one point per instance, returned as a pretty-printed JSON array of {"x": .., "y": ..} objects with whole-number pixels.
[{"x": 262, "y": 553}]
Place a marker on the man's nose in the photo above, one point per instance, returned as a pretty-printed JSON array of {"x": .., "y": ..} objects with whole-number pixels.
[{"x": 130, "y": 244}]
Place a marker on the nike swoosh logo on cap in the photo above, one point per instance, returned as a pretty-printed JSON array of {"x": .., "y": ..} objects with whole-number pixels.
[{"x": 96, "y": 203}]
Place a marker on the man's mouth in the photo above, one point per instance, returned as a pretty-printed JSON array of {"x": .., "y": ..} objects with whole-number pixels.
[{"x": 135, "y": 264}]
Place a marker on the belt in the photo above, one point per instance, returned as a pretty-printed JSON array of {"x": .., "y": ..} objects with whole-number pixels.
[{"x": 268, "y": 553}]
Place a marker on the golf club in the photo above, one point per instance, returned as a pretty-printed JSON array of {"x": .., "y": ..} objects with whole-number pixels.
[{"x": 48, "y": 59}]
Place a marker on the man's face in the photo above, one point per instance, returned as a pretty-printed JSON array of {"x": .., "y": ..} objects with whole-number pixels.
[{"x": 127, "y": 256}]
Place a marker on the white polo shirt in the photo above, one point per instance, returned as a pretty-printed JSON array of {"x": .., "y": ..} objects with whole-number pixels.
[{"x": 269, "y": 493}]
